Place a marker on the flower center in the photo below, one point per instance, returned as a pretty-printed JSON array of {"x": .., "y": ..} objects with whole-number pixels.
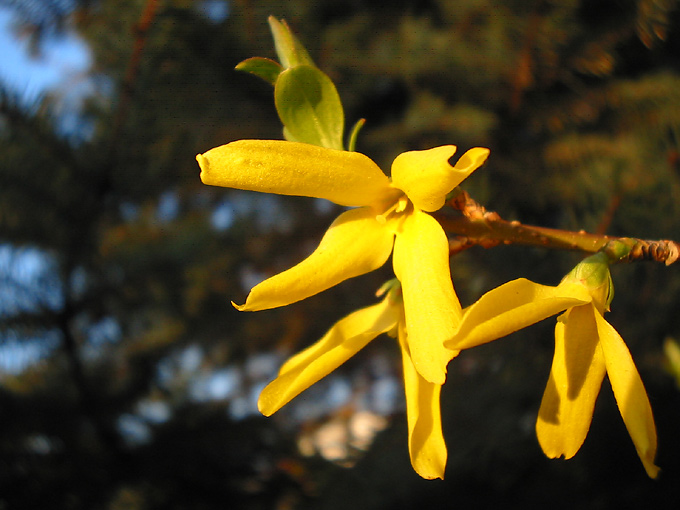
[{"x": 399, "y": 206}]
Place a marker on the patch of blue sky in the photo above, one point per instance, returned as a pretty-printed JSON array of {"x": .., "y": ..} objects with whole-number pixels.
[
  {"x": 222, "y": 216},
  {"x": 385, "y": 395},
  {"x": 19, "y": 353},
  {"x": 215, "y": 10},
  {"x": 245, "y": 405},
  {"x": 322, "y": 398},
  {"x": 268, "y": 211},
  {"x": 191, "y": 358},
  {"x": 60, "y": 64},
  {"x": 129, "y": 211},
  {"x": 100, "y": 334},
  {"x": 168, "y": 207},
  {"x": 263, "y": 365},
  {"x": 27, "y": 281},
  {"x": 179, "y": 367},
  {"x": 222, "y": 384},
  {"x": 134, "y": 429},
  {"x": 60, "y": 70},
  {"x": 154, "y": 411},
  {"x": 78, "y": 282}
]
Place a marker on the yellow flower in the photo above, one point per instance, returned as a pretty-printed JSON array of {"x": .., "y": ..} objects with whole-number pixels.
[
  {"x": 586, "y": 348},
  {"x": 390, "y": 213},
  {"x": 425, "y": 439}
]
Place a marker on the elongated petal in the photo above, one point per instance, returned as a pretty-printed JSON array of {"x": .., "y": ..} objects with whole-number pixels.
[
  {"x": 513, "y": 306},
  {"x": 421, "y": 263},
  {"x": 427, "y": 176},
  {"x": 292, "y": 168},
  {"x": 339, "y": 344},
  {"x": 575, "y": 380},
  {"x": 354, "y": 244},
  {"x": 630, "y": 394},
  {"x": 426, "y": 444}
]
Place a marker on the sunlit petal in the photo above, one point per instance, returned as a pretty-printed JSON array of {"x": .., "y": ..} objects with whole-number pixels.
[
  {"x": 513, "y": 306},
  {"x": 425, "y": 438},
  {"x": 470, "y": 161},
  {"x": 339, "y": 344},
  {"x": 575, "y": 380},
  {"x": 630, "y": 394},
  {"x": 427, "y": 176},
  {"x": 421, "y": 263},
  {"x": 292, "y": 168},
  {"x": 353, "y": 245}
]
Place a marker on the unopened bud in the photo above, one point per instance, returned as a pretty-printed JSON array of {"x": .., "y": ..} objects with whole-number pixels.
[
  {"x": 593, "y": 273},
  {"x": 392, "y": 288}
]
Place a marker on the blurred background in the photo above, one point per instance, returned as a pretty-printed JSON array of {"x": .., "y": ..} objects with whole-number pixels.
[{"x": 128, "y": 381}]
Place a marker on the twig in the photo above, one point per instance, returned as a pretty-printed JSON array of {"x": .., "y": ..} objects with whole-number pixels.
[
  {"x": 128, "y": 87},
  {"x": 478, "y": 227}
]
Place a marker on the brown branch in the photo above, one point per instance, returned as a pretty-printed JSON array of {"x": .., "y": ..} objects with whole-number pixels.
[
  {"x": 608, "y": 217},
  {"x": 522, "y": 77},
  {"x": 129, "y": 81},
  {"x": 476, "y": 226}
]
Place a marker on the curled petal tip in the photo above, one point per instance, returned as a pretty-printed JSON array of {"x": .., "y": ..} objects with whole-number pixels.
[
  {"x": 240, "y": 308},
  {"x": 203, "y": 164},
  {"x": 652, "y": 470},
  {"x": 472, "y": 159}
]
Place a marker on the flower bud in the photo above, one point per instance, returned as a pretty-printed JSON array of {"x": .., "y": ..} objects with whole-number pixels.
[{"x": 593, "y": 273}]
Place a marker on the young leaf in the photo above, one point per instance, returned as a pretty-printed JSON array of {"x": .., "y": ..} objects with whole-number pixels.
[
  {"x": 290, "y": 50},
  {"x": 309, "y": 107},
  {"x": 265, "y": 68},
  {"x": 354, "y": 134},
  {"x": 287, "y": 135}
]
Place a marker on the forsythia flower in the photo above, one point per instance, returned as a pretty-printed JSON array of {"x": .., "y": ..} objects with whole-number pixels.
[
  {"x": 425, "y": 439},
  {"x": 390, "y": 213},
  {"x": 586, "y": 348}
]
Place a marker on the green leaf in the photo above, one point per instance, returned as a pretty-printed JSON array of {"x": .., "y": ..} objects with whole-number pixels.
[
  {"x": 290, "y": 50},
  {"x": 264, "y": 68},
  {"x": 288, "y": 136},
  {"x": 309, "y": 107}
]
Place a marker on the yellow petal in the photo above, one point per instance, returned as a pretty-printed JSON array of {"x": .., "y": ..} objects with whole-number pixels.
[
  {"x": 470, "y": 161},
  {"x": 513, "y": 306},
  {"x": 575, "y": 380},
  {"x": 339, "y": 344},
  {"x": 421, "y": 263},
  {"x": 292, "y": 168},
  {"x": 354, "y": 244},
  {"x": 426, "y": 444},
  {"x": 630, "y": 394},
  {"x": 427, "y": 176}
]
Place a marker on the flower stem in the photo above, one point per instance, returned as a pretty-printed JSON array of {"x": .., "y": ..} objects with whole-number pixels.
[{"x": 478, "y": 227}]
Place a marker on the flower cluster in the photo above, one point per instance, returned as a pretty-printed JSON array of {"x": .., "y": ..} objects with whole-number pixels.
[{"x": 391, "y": 216}]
